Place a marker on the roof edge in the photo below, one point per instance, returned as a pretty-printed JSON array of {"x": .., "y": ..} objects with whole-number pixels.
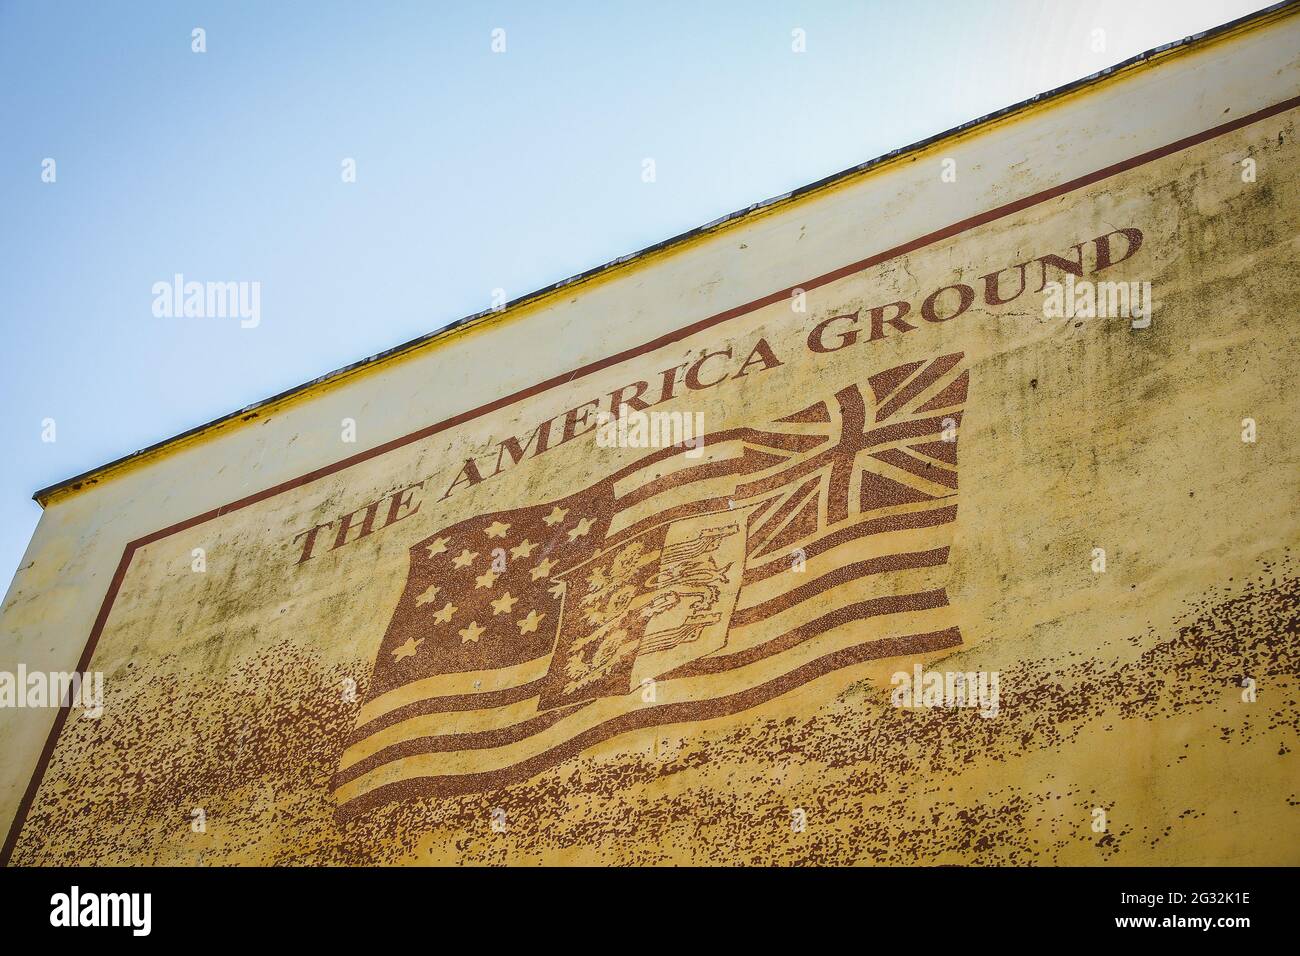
[{"x": 256, "y": 410}]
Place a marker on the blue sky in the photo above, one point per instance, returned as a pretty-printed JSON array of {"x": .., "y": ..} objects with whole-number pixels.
[{"x": 475, "y": 170}]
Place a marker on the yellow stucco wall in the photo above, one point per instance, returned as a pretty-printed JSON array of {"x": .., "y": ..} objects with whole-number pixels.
[{"x": 252, "y": 689}]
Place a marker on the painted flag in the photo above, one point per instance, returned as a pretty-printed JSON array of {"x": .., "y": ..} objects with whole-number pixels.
[{"x": 681, "y": 587}]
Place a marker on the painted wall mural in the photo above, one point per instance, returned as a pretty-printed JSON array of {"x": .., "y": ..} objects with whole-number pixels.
[{"x": 719, "y": 601}]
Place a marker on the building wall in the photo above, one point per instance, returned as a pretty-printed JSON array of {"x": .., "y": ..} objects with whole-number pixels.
[{"x": 250, "y": 690}]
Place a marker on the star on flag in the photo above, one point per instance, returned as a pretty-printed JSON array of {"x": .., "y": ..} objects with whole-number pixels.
[
  {"x": 504, "y": 603},
  {"x": 408, "y": 649},
  {"x": 529, "y": 624},
  {"x": 582, "y": 527},
  {"x": 523, "y": 549}
]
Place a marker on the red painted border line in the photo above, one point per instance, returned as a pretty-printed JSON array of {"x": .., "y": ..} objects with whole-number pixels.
[{"x": 992, "y": 215}]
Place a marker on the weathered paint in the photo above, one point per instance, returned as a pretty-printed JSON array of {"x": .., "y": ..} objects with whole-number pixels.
[{"x": 1119, "y": 691}]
